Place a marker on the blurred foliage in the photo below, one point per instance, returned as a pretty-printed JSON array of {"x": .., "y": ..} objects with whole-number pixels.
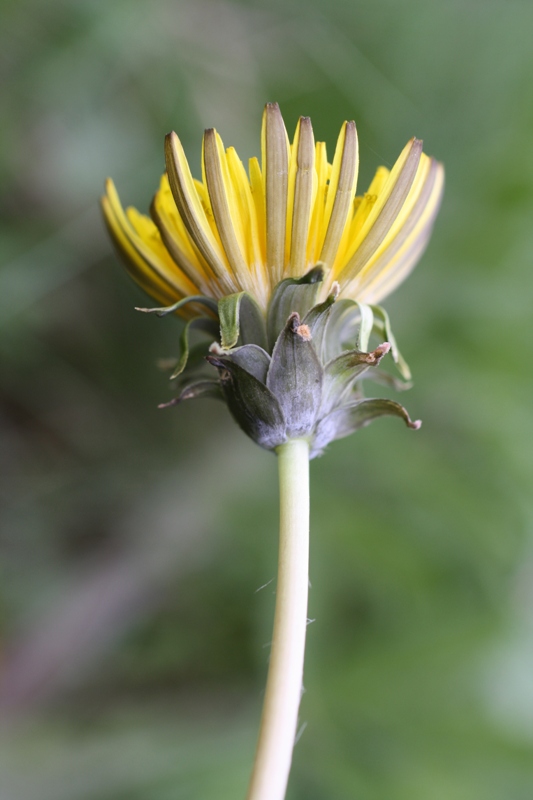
[{"x": 133, "y": 541}]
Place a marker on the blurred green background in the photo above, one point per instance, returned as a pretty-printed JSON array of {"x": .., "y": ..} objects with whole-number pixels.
[{"x": 134, "y": 642}]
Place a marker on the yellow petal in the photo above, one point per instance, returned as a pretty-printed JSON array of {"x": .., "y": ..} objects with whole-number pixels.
[
  {"x": 275, "y": 150},
  {"x": 144, "y": 256},
  {"x": 368, "y": 202},
  {"x": 341, "y": 191},
  {"x": 247, "y": 212},
  {"x": 384, "y": 212},
  {"x": 317, "y": 233},
  {"x": 302, "y": 191},
  {"x": 258, "y": 196},
  {"x": 166, "y": 204},
  {"x": 179, "y": 245},
  {"x": 225, "y": 207},
  {"x": 135, "y": 266},
  {"x": 399, "y": 258},
  {"x": 193, "y": 213}
]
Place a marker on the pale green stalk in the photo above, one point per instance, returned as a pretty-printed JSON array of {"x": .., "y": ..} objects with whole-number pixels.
[{"x": 284, "y": 684}]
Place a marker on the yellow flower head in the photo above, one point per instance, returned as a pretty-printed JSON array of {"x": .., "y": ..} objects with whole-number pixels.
[
  {"x": 282, "y": 268},
  {"x": 233, "y": 231}
]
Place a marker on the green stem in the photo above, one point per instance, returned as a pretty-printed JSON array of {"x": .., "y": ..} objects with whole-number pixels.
[{"x": 284, "y": 683}]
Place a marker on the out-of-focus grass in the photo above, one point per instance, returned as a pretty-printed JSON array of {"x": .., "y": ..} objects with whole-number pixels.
[{"x": 418, "y": 673}]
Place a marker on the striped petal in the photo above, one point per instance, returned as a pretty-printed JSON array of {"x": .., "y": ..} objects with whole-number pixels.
[
  {"x": 405, "y": 249},
  {"x": 258, "y": 198},
  {"x": 362, "y": 208},
  {"x": 176, "y": 239},
  {"x": 275, "y": 154},
  {"x": 250, "y": 225},
  {"x": 384, "y": 213},
  {"x": 341, "y": 191},
  {"x": 231, "y": 232},
  {"x": 302, "y": 192},
  {"x": 323, "y": 170},
  {"x": 226, "y": 211},
  {"x": 147, "y": 260},
  {"x": 193, "y": 214}
]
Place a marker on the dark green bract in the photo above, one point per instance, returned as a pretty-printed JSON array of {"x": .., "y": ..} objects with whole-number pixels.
[{"x": 294, "y": 374}]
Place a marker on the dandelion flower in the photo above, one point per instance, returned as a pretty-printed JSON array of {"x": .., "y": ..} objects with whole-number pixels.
[
  {"x": 284, "y": 253},
  {"x": 283, "y": 268}
]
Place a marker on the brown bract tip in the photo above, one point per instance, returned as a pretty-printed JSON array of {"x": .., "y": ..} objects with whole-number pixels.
[
  {"x": 304, "y": 332},
  {"x": 294, "y": 324},
  {"x": 376, "y": 355},
  {"x": 382, "y": 350}
]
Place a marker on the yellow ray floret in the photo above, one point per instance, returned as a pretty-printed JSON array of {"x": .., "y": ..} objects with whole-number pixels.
[{"x": 234, "y": 231}]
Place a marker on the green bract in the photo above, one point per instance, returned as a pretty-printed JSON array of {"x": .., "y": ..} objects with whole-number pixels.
[{"x": 296, "y": 373}]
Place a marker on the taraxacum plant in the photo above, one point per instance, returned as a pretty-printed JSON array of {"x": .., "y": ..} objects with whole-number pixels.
[{"x": 283, "y": 269}]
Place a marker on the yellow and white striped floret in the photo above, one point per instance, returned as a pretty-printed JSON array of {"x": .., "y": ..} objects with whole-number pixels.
[{"x": 234, "y": 231}]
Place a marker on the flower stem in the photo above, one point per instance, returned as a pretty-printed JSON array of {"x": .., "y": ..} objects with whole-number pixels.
[{"x": 284, "y": 683}]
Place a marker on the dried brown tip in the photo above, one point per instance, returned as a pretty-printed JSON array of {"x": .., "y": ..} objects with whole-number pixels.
[
  {"x": 382, "y": 350},
  {"x": 376, "y": 355},
  {"x": 304, "y": 332},
  {"x": 294, "y": 324}
]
